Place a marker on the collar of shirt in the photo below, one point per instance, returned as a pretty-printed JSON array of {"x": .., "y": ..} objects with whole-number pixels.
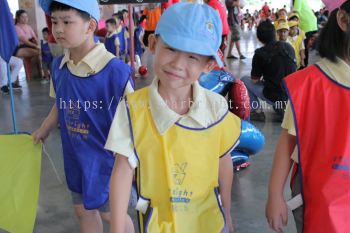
[
  {"x": 119, "y": 29},
  {"x": 110, "y": 35},
  {"x": 207, "y": 108},
  {"x": 338, "y": 71},
  {"x": 92, "y": 63}
]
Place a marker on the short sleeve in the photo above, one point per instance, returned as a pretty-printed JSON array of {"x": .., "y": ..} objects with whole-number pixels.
[
  {"x": 288, "y": 120},
  {"x": 52, "y": 93},
  {"x": 126, "y": 34},
  {"x": 117, "y": 42},
  {"x": 128, "y": 89},
  {"x": 119, "y": 138}
]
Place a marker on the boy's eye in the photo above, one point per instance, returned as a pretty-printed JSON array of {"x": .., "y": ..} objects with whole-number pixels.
[
  {"x": 67, "y": 22},
  {"x": 54, "y": 22},
  {"x": 171, "y": 49},
  {"x": 194, "y": 58}
]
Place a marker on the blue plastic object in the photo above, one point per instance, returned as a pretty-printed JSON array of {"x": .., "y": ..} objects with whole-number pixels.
[
  {"x": 251, "y": 140},
  {"x": 238, "y": 158},
  {"x": 218, "y": 81}
]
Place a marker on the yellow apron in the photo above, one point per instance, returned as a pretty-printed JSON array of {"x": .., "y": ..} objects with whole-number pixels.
[
  {"x": 177, "y": 174},
  {"x": 297, "y": 45}
]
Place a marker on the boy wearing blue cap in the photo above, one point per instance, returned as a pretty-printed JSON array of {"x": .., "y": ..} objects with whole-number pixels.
[
  {"x": 87, "y": 83},
  {"x": 179, "y": 135}
]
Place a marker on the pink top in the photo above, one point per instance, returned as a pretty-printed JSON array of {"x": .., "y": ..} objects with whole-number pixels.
[
  {"x": 24, "y": 30},
  {"x": 223, "y": 15}
]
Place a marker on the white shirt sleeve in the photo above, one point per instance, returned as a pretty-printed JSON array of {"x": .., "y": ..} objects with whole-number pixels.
[
  {"x": 119, "y": 138},
  {"x": 128, "y": 89}
]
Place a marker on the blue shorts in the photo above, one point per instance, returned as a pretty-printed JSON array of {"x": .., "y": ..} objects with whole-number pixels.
[{"x": 77, "y": 199}]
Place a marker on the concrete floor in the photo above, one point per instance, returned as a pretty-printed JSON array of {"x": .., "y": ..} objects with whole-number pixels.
[{"x": 55, "y": 213}]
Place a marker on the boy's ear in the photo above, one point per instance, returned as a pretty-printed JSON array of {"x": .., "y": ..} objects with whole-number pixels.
[
  {"x": 152, "y": 42},
  {"x": 210, "y": 65},
  {"x": 92, "y": 26}
]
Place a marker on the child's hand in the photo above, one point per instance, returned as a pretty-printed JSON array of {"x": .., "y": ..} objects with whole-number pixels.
[
  {"x": 229, "y": 223},
  {"x": 277, "y": 213},
  {"x": 40, "y": 134}
]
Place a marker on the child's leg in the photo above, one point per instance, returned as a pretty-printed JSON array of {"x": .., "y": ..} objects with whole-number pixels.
[
  {"x": 106, "y": 216},
  {"x": 89, "y": 220}
]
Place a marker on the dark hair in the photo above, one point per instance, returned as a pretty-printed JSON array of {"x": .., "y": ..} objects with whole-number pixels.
[
  {"x": 111, "y": 21},
  {"x": 45, "y": 30},
  {"x": 18, "y": 15},
  {"x": 118, "y": 15},
  {"x": 57, "y": 6},
  {"x": 294, "y": 18},
  {"x": 266, "y": 32},
  {"x": 326, "y": 13},
  {"x": 333, "y": 42}
]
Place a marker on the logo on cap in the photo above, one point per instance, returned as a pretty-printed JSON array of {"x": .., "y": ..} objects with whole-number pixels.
[{"x": 210, "y": 26}]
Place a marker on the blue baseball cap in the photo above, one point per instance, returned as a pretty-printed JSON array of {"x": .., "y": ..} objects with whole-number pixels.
[
  {"x": 193, "y": 28},
  {"x": 88, "y": 6}
]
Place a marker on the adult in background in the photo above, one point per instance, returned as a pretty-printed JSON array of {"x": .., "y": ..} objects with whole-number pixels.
[
  {"x": 271, "y": 63},
  {"x": 233, "y": 19}
]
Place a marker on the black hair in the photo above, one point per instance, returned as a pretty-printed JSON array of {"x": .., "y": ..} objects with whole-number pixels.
[
  {"x": 294, "y": 18},
  {"x": 326, "y": 13},
  {"x": 45, "y": 30},
  {"x": 18, "y": 15},
  {"x": 57, "y": 6},
  {"x": 111, "y": 21},
  {"x": 334, "y": 42},
  {"x": 266, "y": 32},
  {"x": 118, "y": 15}
]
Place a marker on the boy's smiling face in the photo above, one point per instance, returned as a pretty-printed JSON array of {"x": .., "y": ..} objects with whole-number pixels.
[
  {"x": 176, "y": 69},
  {"x": 69, "y": 29}
]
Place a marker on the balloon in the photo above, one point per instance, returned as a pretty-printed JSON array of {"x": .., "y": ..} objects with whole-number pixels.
[{"x": 143, "y": 70}]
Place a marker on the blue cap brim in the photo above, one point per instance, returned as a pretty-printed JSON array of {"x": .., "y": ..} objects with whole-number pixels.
[
  {"x": 186, "y": 45},
  {"x": 86, "y": 6}
]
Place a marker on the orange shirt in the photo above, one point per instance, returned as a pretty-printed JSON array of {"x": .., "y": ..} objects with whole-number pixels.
[{"x": 153, "y": 17}]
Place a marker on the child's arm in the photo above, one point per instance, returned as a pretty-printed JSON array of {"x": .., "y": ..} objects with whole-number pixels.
[
  {"x": 225, "y": 182},
  {"x": 276, "y": 208},
  {"x": 48, "y": 124},
  {"x": 120, "y": 189}
]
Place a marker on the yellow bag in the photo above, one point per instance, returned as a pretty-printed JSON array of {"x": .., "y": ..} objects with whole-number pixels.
[{"x": 20, "y": 162}]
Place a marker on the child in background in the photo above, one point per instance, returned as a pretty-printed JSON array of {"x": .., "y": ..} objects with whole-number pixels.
[
  {"x": 282, "y": 30},
  {"x": 87, "y": 83},
  {"x": 182, "y": 186},
  {"x": 46, "y": 56},
  {"x": 122, "y": 37},
  {"x": 297, "y": 42},
  {"x": 112, "y": 41},
  {"x": 138, "y": 37},
  {"x": 316, "y": 121}
]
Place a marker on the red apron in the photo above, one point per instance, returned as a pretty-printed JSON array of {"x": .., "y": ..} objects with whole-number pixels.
[{"x": 321, "y": 108}]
